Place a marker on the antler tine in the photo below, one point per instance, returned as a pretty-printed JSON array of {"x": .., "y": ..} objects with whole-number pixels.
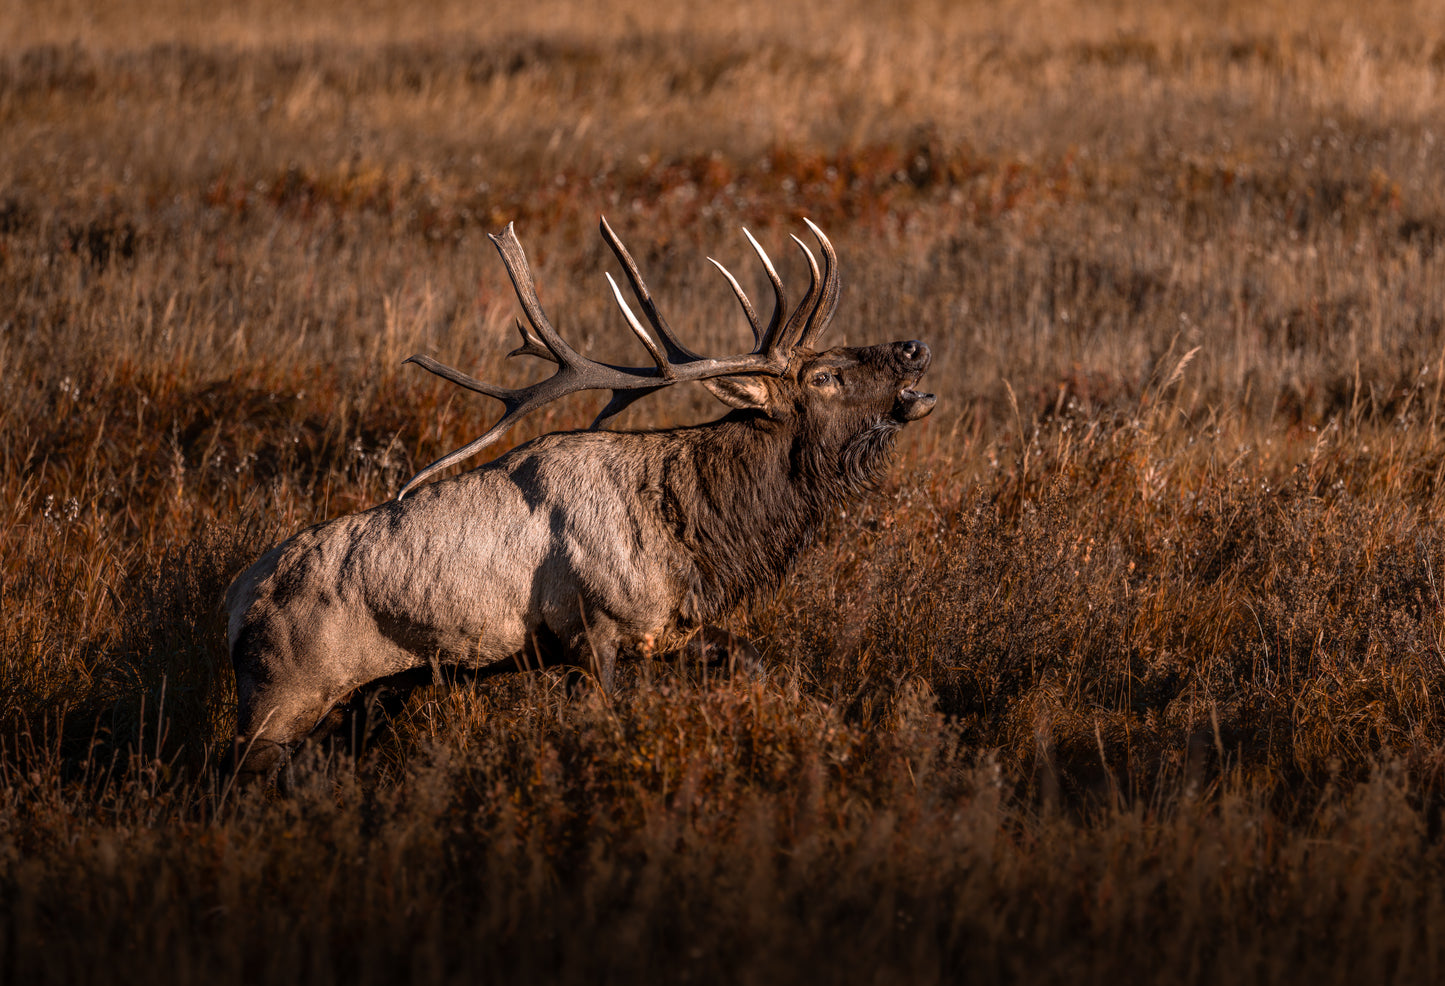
[
  {"x": 742, "y": 300},
  {"x": 458, "y": 377},
  {"x": 531, "y": 345},
  {"x": 515, "y": 260},
  {"x": 770, "y": 342},
  {"x": 620, "y": 401},
  {"x": 457, "y": 455},
  {"x": 675, "y": 349},
  {"x": 664, "y": 368},
  {"x": 791, "y": 335},
  {"x": 827, "y": 304}
]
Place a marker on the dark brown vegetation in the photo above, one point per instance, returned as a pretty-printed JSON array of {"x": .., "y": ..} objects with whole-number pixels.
[{"x": 1136, "y": 671}]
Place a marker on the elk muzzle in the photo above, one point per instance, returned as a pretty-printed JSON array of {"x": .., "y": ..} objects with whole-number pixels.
[{"x": 911, "y": 359}]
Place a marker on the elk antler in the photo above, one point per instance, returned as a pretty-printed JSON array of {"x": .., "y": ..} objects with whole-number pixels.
[{"x": 672, "y": 361}]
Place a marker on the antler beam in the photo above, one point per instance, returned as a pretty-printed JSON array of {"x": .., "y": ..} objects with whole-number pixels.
[{"x": 673, "y": 362}]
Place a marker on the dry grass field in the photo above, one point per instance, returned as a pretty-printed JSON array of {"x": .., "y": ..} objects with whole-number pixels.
[{"x": 1134, "y": 671}]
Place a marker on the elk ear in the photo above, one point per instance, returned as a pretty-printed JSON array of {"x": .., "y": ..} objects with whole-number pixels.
[{"x": 747, "y": 393}]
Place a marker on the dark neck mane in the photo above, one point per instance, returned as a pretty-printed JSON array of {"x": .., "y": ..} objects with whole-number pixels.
[{"x": 745, "y": 495}]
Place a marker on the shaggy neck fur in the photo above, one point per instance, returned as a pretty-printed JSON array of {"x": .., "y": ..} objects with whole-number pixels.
[{"x": 745, "y": 495}]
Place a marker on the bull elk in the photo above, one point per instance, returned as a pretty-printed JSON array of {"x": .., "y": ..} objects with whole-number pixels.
[{"x": 576, "y": 546}]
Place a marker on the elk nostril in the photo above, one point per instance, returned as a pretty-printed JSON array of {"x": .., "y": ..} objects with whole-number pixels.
[{"x": 912, "y": 350}]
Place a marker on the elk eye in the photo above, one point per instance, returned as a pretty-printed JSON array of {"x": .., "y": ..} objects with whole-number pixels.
[{"x": 819, "y": 379}]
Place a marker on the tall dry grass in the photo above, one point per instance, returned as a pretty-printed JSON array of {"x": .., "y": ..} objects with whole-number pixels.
[{"x": 1135, "y": 668}]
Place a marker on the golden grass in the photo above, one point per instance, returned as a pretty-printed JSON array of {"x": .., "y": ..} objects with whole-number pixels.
[{"x": 1136, "y": 669}]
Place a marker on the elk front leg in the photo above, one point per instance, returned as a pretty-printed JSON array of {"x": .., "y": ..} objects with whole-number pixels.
[
  {"x": 593, "y": 648},
  {"x": 588, "y": 645}
]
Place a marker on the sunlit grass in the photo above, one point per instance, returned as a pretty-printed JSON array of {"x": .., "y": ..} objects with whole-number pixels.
[{"x": 1134, "y": 669}]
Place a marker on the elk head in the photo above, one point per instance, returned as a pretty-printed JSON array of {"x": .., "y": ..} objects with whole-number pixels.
[{"x": 843, "y": 406}]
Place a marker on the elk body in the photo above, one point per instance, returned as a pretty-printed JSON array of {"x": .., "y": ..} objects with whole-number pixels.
[{"x": 576, "y": 546}]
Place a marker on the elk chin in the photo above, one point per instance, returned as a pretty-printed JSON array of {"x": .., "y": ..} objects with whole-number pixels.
[{"x": 911, "y": 405}]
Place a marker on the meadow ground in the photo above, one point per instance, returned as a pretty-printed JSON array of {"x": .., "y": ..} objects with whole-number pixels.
[{"x": 1134, "y": 671}]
